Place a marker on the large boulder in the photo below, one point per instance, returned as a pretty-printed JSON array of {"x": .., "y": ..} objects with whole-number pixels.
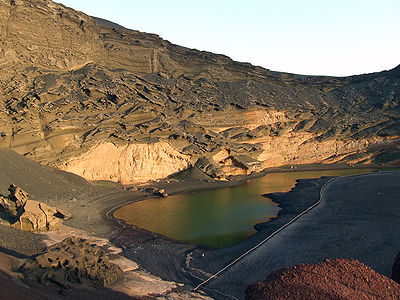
[
  {"x": 29, "y": 215},
  {"x": 331, "y": 279},
  {"x": 38, "y": 216},
  {"x": 396, "y": 269},
  {"x": 17, "y": 195},
  {"x": 13, "y": 204},
  {"x": 73, "y": 263}
]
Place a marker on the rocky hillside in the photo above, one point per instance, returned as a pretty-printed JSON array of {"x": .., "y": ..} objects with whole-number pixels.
[
  {"x": 337, "y": 279},
  {"x": 91, "y": 97}
]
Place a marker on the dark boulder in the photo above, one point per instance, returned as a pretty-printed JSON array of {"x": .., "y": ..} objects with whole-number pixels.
[{"x": 396, "y": 269}]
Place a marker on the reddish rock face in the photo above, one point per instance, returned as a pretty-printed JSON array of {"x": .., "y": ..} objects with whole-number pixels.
[
  {"x": 396, "y": 269},
  {"x": 331, "y": 279}
]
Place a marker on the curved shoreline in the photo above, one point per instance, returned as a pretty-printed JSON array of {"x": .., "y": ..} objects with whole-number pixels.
[
  {"x": 323, "y": 187},
  {"x": 184, "y": 189},
  {"x": 169, "y": 258},
  {"x": 341, "y": 227},
  {"x": 267, "y": 238}
]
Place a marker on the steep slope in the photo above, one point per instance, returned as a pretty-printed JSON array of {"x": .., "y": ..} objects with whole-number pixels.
[
  {"x": 42, "y": 182},
  {"x": 70, "y": 83}
]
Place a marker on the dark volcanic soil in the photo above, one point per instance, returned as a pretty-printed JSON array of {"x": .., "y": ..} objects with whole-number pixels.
[{"x": 357, "y": 218}]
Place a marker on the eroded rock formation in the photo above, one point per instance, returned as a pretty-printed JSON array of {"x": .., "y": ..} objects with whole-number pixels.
[
  {"x": 72, "y": 87},
  {"x": 13, "y": 204},
  {"x": 29, "y": 215},
  {"x": 73, "y": 263},
  {"x": 331, "y": 279}
]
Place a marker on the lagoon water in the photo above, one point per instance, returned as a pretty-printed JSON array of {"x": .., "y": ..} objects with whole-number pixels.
[{"x": 221, "y": 217}]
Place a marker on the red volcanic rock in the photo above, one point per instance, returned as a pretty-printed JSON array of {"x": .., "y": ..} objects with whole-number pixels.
[{"x": 331, "y": 279}]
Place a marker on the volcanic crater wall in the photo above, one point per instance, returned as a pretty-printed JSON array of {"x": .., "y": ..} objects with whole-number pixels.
[{"x": 111, "y": 103}]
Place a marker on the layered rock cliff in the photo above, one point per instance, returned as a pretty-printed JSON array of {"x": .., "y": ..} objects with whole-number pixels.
[
  {"x": 75, "y": 90},
  {"x": 127, "y": 164}
]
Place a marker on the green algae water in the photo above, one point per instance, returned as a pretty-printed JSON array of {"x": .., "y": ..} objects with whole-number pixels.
[{"x": 221, "y": 217}]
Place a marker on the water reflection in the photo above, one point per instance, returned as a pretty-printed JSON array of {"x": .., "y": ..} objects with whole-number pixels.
[{"x": 217, "y": 218}]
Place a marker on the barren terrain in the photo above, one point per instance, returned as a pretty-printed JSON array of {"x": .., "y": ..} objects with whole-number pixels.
[
  {"x": 76, "y": 90},
  {"x": 94, "y": 115}
]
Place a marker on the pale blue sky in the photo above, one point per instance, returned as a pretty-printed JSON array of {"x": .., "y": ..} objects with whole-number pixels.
[{"x": 320, "y": 37}]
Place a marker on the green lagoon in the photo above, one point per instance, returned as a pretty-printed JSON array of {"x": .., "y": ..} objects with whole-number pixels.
[{"x": 221, "y": 217}]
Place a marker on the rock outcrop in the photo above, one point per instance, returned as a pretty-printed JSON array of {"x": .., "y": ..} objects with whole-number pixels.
[
  {"x": 73, "y": 263},
  {"x": 73, "y": 86},
  {"x": 127, "y": 164},
  {"x": 29, "y": 215},
  {"x": 13, "y": 204},
  {"x": 331, "y": 279},
  {"x": 209, "y": 167},
  {"x": 38, "y": 216},
  {"x": 158, "y": 192}
]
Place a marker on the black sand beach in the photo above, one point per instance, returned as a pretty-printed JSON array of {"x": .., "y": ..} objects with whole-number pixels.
[{"x": 358, "y": 218}]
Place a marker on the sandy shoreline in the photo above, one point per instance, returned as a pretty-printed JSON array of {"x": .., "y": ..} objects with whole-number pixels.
[
  {"x": 178, "y": 261},
  {"x": 170, "y": 257},
  {"x": 349, "y": 223}
]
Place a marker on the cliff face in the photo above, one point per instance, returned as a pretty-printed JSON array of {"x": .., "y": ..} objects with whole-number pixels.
[
  {"x": 69, "y": 84},
  {"x": 52, "y": 36},
  {"x": 127, "y": 164}
]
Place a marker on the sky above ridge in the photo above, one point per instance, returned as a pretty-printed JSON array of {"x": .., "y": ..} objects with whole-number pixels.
[{"x": 317, "y": 37}]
